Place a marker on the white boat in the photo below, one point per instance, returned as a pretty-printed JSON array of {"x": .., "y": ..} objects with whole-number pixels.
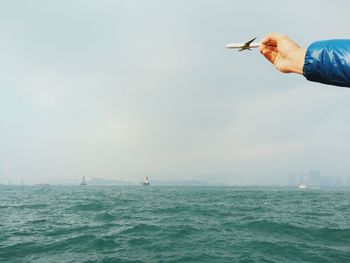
[
  {"x": 302, "y": 186},
  {"x": 83, "y": 182},
  {"x": 146, "y": 182}
]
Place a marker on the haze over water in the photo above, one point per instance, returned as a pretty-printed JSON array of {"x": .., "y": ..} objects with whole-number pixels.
[{"x": 173, "y": 224}]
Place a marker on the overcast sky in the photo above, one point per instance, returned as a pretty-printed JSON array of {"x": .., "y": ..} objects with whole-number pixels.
[{"x": 124, "y": 89}]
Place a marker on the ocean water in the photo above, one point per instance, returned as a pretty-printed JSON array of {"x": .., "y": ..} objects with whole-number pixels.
[{"x": 173, "y": 224}]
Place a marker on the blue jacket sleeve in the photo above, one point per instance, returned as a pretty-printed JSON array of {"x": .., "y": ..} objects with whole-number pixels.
[{"x": 328, "y": 62}]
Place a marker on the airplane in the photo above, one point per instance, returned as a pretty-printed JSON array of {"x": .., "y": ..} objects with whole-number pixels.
[{"x": 246, "y": 46}]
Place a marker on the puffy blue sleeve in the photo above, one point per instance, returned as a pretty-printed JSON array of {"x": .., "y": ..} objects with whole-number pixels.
[{"x": 328, "y": 62}]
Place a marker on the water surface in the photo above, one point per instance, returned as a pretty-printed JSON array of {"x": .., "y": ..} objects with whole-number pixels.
[{"x": 173, "y": 224}]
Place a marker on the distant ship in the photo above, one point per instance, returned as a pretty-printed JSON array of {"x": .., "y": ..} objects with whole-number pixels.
[
  {"x": 83, "y": 182},
  {"x": 302, "y": 186},
  {"x": 146, "y": 182}
]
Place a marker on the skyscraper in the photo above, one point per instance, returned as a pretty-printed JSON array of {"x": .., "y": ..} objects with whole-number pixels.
[{"x": 314, "y": 178}]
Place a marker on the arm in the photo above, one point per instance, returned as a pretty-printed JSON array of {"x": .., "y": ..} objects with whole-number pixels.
[{"x": 328, "y": 62}]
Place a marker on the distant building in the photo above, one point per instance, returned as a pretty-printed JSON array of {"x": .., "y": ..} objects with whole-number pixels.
[
  {"x": 303, "y": 179},
  {"x": 293, "y": 179},
  {"x": 338, "y": 181},
  {"x": 327, "y": 181},
  {"x": 314, "y": 178},
  {"x": 347, "y": 180}
]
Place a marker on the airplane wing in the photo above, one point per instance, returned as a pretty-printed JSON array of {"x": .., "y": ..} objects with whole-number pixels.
[
  {"x": 248, "y": 45},
  {"x": 249, "y": 42}
]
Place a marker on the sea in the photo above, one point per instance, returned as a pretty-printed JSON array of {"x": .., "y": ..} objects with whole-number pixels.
[{"x": 173, "y": 224}]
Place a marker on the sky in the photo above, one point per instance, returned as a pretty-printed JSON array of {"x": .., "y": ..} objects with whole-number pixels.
[{"x": 127, "y": 89}]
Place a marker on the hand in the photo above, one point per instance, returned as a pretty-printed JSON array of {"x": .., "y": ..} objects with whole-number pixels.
[{"x": 286, "y": 55}]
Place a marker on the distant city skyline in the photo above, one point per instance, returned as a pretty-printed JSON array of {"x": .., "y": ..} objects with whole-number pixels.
[
  {"x": 314, "y": 178},
  {"x": 293, "y": 179}
]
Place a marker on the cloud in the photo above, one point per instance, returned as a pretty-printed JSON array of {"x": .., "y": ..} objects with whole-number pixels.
[{"x": 130, "y": 88}]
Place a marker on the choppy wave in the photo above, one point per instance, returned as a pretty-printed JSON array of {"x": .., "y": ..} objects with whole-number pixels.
[{"x": 173, "y": 224}]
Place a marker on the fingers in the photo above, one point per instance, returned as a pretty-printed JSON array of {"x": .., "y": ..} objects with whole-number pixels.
[
  {"x": 269, "y": 52},
  {"x": 267, "y": 47},
  {"x": 272, "y": 39},
  {"x": 270, "y": 56}
]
